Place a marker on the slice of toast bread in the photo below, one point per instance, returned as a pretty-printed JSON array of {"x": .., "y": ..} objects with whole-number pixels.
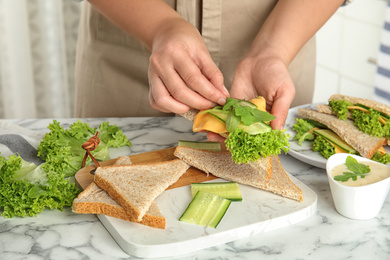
[
  {"x": 366, "y": 102},
  {"x": 94, "y": 200},
  {"x": 221, "y": 165},
  {"x": 136, "y": 186}
]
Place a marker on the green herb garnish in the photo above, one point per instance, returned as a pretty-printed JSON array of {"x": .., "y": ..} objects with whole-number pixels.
[
  {"x": 245, "y": 112},
  {"x": 356, "y": 168}
]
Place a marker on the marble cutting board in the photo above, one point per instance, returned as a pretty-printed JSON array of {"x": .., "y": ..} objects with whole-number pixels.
[{"x": 260, "y": 211}]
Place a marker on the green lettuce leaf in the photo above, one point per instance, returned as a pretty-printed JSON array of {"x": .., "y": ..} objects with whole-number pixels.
[
  {"x": 245, "y": 147},
  {"x": 302, "y": 127},
  {"x": 26, "y": 190},
  {"x": 370, "y": 124},
  {"x": 381, "y": 158},
  {"x": 340, "y": 108},
  {"x": 62, "y": 149},
  {"x": 322, "y": 146}
]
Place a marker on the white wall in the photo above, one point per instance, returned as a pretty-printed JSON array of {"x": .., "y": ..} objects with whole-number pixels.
[{"x": 347, "y": 49}]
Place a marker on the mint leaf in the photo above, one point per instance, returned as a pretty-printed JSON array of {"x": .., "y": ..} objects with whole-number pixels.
[
  {"x": 356, "y": 168},
  {"x": 346, "y": 176},
  {"x": 246, "y": 111}
]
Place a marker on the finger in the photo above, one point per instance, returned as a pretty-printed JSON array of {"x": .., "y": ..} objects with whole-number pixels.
[
  {"x": 177, "y": 88},
  {"x": 193, "y": 76},
  {"x": 160, "y": 99},
  {"x": 214, "y": 137},
  {"x": 210, "y": 70},
  {"x": 280, "y": 108}
]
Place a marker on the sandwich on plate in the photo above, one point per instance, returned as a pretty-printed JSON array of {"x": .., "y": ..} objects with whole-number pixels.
[
  {"x": 368, "y": 116},
  {"x": 127, "y": 191},
  {"x": 330, "y": 134}
]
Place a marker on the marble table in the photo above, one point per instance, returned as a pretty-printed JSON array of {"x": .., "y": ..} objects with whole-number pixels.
[{"x": 64, "y": 235}]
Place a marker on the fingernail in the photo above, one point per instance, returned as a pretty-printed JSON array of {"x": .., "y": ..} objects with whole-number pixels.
[
  {"x": 222, "y": 101},
  {"x": 225, "y": 91}
]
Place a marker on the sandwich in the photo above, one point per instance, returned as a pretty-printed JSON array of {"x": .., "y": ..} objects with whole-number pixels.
[
  {"x": 368, "y": 116},
  {"x": 95, "y": 200},
  {"x": 331, "y": 135},
  {"x": 221, "y": 165},
  {"x": 245, "y": 125},
  {"x": 134, "y": 187}
]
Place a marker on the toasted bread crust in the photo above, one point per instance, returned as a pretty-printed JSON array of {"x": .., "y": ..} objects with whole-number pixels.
[
  {"x": 365, "y": 144},
  {"x": 135, "y": 187},
  {"x": 94, "y": 200},
  {"x": 220, "y": 164},
  {"x": 367, "y": 102}
]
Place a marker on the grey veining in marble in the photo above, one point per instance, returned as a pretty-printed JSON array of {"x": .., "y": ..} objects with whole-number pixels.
[{"x": 325, "y": 235}]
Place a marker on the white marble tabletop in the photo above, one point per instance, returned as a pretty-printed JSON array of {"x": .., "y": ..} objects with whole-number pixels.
[{"x": 64, "y": 235}]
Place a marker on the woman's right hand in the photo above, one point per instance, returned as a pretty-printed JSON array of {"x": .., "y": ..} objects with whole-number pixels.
[{"x": 181, "y": 71}]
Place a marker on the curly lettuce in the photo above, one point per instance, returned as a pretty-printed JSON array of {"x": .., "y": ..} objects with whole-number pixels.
[
  {"x": 62, "y": 149},
  {"x": 381, "y": 158},
  {"x": 322, "y": 146},
  {"x": 340, "y": 108},
  {"x": 245, "y": 147},
  {"x": 302, "y": 127},
  {"x": 370, "y": 124},
  {"x": 27, "y": 189}
]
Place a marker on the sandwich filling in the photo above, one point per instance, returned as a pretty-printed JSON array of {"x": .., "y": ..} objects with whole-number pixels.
[
  {"x": 326, "y": 142},
  {"x": 366, "y": 119},
  {"x": 246, "y": 126}
]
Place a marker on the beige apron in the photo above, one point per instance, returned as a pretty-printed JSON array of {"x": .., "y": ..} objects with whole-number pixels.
[{"x": 111, "y": 66}]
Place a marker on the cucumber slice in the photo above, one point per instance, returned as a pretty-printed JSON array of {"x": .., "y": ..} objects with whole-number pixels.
[
  {"x": 221, "y": 115},
  {"x": 247, "y": 103},
  {"x": 330, "y": 136},
  {"x": 205, "y": 209},
  {"x": 315, "y": 123},
  {"x": 255, "y": 128},
  {"x": 211, "y": 146},
  {"x": 227, "y": 190}
]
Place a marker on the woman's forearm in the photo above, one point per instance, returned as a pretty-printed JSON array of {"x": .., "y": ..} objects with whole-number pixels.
[
  {"x": 141, "y": 19},
  {"x": 290, "y": 25}
]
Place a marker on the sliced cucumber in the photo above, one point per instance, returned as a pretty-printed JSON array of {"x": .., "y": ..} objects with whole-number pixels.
[
  {"x": 315, "y": 123},
  {"x": 205, "y": 209},
  {"x": 221, "y": 115},
  {"x": 211, "y": 146},
  {"x": 330, "y": 136},
  {"x": 256, "y": 128},
  {"x": 245, "y": 103},
  {"x": 227, "y": 190}
]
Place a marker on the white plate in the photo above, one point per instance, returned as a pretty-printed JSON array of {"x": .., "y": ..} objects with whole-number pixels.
[
  {"x": 259, "y": 211},
  {"x": 304, "y": 152}
]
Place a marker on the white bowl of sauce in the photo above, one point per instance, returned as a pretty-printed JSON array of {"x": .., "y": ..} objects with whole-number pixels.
[{"x": 362, "y": 198}]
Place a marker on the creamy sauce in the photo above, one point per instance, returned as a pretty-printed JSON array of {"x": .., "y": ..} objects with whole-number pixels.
[{"x": 378, "y": 172}]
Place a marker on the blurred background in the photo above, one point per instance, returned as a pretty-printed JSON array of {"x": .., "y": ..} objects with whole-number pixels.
[{"x": 38, "y": 43}]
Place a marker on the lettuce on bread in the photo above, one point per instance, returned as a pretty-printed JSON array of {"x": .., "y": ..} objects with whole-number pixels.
[
  {"x": 368, "y": 116},
  {"x": 245, "y": 124},
  {"x": 333, "y": 135}
]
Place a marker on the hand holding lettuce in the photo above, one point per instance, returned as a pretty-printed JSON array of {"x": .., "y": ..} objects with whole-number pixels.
[{"x": 27, "y": 189}]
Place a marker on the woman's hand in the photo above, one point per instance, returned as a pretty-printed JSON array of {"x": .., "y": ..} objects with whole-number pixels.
[
  {"x": 181, "y": 72},
  {"x": 269, "y": 77}
]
